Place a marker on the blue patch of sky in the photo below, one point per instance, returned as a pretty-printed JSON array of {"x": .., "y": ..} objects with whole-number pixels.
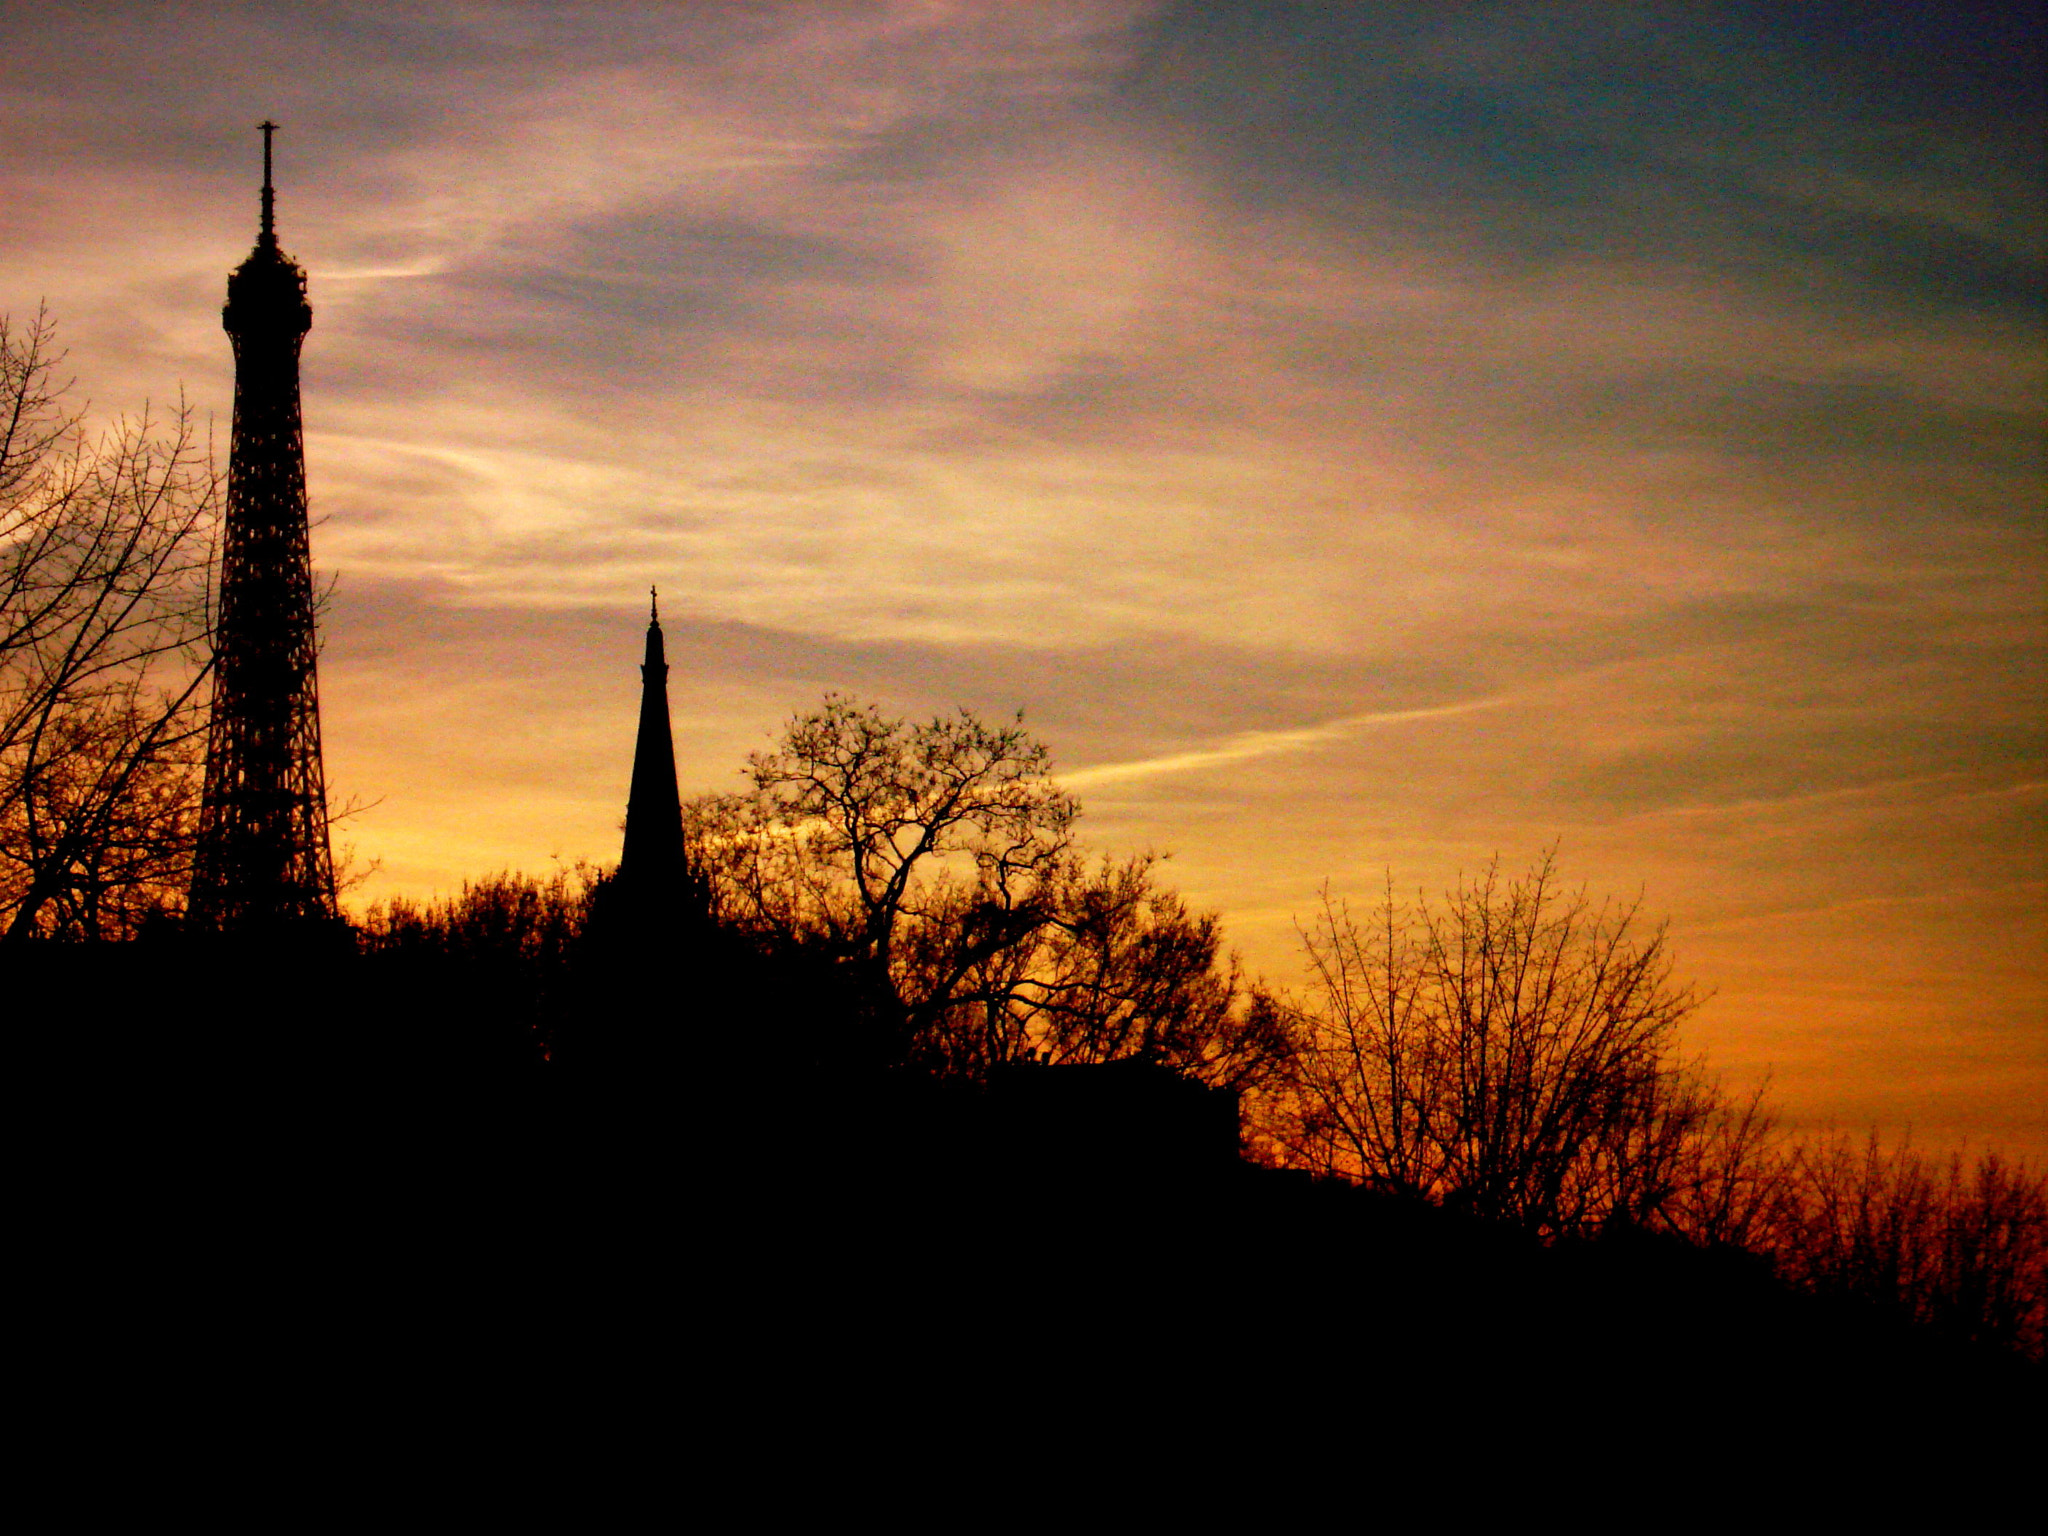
[{"x": 1663, "y": 131}]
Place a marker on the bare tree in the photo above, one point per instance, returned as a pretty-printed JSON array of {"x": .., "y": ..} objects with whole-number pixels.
[
  {"x": 1118, "y": 966},
  {"x": 1735, "y": 1177},
  {"x": 1955, "y": 1246},
  {"x": 104, "y": 564},
  {"x": 861, "y": 827},
  {"x": 938, "y": 860},
  {"x": 1511, "y": 1051}
]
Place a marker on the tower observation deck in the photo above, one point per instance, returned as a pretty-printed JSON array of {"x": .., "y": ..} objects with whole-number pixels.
[{"x": 263, "y": 858}]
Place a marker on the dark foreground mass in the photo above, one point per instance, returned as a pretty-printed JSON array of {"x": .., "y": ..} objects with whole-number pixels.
[{"x": 329, "y": 1182}]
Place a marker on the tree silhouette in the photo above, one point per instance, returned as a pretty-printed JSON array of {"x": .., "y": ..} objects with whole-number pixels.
[
  {"x": 1510, "y": 1052},
  {"x": 1117, "y": 966},
  {"x": 104, "y": 565},
  {"x": 1961, "y": 1248},
  {"x": 936, "y": 863}
]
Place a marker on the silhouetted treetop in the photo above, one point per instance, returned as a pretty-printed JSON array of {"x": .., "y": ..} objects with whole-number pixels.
[
  {"x": 104, "y": 595},
  {"x": 937, "y": 861}
]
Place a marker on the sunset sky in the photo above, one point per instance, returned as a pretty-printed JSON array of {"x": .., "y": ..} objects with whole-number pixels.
[{"x": 1361, "y": 438}]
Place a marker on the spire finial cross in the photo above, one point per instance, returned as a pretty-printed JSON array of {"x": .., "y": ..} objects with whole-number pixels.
[
  {"x": 653, "y": 606},
  {"x": 269, "y": 196}
]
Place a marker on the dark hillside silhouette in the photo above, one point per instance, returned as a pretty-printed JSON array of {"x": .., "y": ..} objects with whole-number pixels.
[{"x": 1065, "y": 1231}]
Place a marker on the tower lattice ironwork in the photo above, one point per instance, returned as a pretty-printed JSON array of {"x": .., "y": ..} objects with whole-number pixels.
[{"x": 263, "y": 857}]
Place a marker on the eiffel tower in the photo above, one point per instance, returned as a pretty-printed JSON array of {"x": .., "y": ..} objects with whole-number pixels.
[{"x": 263, "y": 859}]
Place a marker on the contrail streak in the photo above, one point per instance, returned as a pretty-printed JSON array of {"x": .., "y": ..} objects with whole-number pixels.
[{"x": 1256, "y": 744}]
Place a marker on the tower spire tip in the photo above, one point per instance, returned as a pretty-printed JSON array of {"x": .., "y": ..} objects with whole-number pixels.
[{"x": 269, "y": 231}]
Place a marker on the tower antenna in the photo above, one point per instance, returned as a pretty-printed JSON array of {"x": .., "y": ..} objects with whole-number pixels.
[{"x": 268, "y": 233}]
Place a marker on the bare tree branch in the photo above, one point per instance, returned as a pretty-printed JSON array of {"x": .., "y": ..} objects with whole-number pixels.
[{"x": 105, "y": 560}]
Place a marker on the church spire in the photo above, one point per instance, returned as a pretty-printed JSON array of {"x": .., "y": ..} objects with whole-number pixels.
[{"x": 652, "y": 861}]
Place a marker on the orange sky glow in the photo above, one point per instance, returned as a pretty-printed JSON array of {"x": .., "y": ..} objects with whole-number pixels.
[{"x": 1361, "y": 439}]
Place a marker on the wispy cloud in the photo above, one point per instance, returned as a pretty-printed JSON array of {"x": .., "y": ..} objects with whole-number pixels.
[{"x": 1617, "y": 425}]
